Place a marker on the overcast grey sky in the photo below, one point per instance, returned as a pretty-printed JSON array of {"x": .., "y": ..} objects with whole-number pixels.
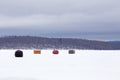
[{"x": 90, "y": 19}]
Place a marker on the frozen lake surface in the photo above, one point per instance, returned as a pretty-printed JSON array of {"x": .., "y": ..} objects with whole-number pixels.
[{"x": 83, "y": 65}]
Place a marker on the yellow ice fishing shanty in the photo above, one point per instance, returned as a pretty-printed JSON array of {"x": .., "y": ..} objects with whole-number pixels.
[{"x": 37, "y": 51}]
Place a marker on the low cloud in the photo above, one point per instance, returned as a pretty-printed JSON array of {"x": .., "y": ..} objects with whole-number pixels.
[{"x": 63, "y": 16}]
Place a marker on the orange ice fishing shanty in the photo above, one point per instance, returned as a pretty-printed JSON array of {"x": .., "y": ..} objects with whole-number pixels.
[{"x": 37, "y": 51}]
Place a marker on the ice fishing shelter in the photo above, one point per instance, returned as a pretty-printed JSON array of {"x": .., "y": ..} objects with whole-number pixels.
[
  {"x": 19, "y": 53},
  {"x": 37, "y": 51},
  {"x": 55, "y": 52},
  {"x": 71, "y": 52}
]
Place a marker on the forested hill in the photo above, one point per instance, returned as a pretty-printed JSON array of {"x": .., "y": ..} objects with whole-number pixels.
[{"x": 29, "y": 42}]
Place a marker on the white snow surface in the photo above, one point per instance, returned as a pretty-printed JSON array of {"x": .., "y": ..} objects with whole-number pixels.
[{"x": 83, "y": 65}]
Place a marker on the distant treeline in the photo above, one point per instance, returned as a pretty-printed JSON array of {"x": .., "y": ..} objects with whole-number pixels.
[{"x": 29, "y": 42}]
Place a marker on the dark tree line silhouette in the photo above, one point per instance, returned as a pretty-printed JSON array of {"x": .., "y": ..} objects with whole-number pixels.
[{"x": 29, "y": 42}]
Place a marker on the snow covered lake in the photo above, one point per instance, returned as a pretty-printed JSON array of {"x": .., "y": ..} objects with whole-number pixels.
[{"x": 83, "y": 65}]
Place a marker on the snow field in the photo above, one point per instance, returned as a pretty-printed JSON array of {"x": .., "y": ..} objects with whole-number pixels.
[{"x": 83, "y": 65}]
